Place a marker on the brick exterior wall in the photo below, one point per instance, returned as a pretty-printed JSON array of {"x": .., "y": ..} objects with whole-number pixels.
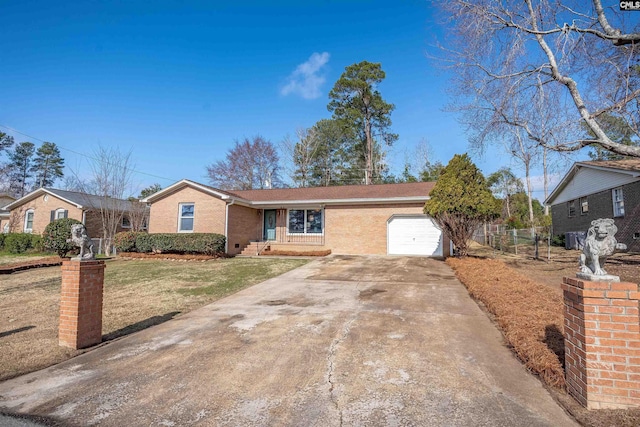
[
  {"x": 245, "y": 225},
  {"x": 80, "y": 322},
  {"x": 42, "y": 213},
  {"x": 354, "y": 229},
  {"x": 601, "y": 206},
  {"x": 362, "y": 230},
  {"x": 209, "y": 212},
  {"x": 602, "y": 343}
]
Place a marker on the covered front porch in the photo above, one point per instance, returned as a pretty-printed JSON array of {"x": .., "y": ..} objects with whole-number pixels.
[{"x": 288, "y": 228}]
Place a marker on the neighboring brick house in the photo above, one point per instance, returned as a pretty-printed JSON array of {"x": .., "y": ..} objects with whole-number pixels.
[
  {"x": 599, "y": 189},
  {"x": 353, "y": 219},
  {"x": 32, "y": 213},
  {"x": 5, "y": 199}
]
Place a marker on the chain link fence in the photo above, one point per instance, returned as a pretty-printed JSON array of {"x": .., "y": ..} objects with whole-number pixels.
[
  {"x": 100, "y": 246},
  {"x": 534, "y": 242}
]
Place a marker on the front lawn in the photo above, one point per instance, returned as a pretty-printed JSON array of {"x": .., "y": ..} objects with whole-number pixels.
[{"x": 137, "y": 294}]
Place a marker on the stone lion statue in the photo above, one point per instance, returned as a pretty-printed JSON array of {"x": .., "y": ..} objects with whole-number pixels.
[
  {"x": 599, "y": 245},
  {"x": 80, "y": 238}
]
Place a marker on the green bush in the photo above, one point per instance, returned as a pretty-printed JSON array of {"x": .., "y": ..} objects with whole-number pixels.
[
  {"x": 126, "y": 241},
  {"x": 558, "y": 240},
  {"x": 56, "y": 234},
  {"x": 17, "y": 243},
  {"x": 191, "y": 243},
  {"x": 144, "y": 243},
  {"x": 37, "y": 243},
  {"x": 2, "y": 237}
]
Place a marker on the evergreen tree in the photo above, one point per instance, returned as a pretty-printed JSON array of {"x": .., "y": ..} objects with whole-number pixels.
[
  {"x": 154, "y": 188},
  {"x": 6, "y": 141},
  {"x": 20, "y": 160},
  {"x": 357, "y": 104},
  {"x": 461, "y": 201},
  {"x": 47, "y": 165}
]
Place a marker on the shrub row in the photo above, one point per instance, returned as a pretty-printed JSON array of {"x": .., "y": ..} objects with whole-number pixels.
[
  {"x": 18, "y": 243},
  {"x": 174, "y": 243}
]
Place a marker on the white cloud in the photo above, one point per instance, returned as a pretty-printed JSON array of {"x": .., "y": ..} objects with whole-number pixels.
[{"x": 307, "y": 78}]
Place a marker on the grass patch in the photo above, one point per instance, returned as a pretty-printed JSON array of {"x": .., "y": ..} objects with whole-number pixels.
[
  {"x": 9, "y": 258},
  {"x": 137, "y": 294}
]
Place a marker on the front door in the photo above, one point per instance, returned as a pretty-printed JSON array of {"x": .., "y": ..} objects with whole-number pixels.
[{"x": 269, "y": 225}]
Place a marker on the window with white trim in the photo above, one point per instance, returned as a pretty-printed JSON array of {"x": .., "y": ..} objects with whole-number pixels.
[
  {"x": 305, "y": 221},
  {"x": 126, "y": 223},
  {"x": 618, "y": 202},
  {"x": 186, "y": 214},
  {"x": 28, "y": 221},
  {"x": 571, "y": 208},
  {"x": 60, "y": 213}
]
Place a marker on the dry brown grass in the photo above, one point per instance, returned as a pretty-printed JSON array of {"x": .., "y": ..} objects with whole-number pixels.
[{"x": 137, "y": 294}]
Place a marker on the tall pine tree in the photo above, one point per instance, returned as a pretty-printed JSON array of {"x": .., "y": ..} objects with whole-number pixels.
[
  {"x": 47, "y": 165},
  {"x": 358, "y": 105},
  {"x": 20, "y": 160}
]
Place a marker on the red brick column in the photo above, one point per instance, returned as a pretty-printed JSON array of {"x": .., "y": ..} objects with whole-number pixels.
[
  {"x": 602, "y": 343},
  {"x": 81, "y": 303}
]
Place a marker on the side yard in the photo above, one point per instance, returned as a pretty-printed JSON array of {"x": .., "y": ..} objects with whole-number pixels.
[
  {"x": 137, "y": 294},
  {"x": 523, "y": 297}
]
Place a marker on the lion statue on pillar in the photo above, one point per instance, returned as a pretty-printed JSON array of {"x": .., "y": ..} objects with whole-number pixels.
[
  {"x": 80, "y": 238},
  {"x": 599, "y": 244}
]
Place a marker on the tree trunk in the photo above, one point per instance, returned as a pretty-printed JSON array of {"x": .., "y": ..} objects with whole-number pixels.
[
  {"x": 368, "y": 155},
  {"x": 527, "y": 168},
  {"x": 545, "y": 178}
]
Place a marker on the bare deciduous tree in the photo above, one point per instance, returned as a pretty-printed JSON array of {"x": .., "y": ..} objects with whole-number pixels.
[
  {"x": 111, "y": 181},
  {"x": 301, "y": 155},
  {"x": 137, "y": 214},
  {"x": 536, "y": 53},
  {"x": 250, "y": 164}
]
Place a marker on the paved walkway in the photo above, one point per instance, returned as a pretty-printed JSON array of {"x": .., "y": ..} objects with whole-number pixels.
[{"x": 376, "y": 341}]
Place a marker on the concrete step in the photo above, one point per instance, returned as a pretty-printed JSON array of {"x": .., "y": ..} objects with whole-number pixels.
[{"x": 252, "y": 248}]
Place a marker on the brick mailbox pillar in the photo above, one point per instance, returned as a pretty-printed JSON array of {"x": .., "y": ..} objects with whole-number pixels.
[
  {"x": 81, "y": 303},
  {"x": 602, "y": 343}
]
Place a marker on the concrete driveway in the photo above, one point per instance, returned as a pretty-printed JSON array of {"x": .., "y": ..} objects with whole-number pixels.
[{"x": 354, "y": 341}]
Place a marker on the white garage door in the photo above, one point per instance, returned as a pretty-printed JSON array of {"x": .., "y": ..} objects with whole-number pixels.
[{"x": 413, "y": 235}]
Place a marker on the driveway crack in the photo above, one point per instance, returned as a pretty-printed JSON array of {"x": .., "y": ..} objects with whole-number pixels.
[{"x": 333, "y": 348}]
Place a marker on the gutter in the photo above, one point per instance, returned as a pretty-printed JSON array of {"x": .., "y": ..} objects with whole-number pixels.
[{"x": 226, "y": 226}]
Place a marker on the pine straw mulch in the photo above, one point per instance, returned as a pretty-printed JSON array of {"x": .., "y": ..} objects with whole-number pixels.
[
  {"x": 530, "y": 316},
  {"x": 296, "y": 253}
]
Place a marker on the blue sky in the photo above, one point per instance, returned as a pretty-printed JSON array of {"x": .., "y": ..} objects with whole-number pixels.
[{"x": 178, "y": 81}]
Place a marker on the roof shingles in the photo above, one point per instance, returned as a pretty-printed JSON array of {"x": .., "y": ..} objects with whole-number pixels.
[{"x": 343, "y": 192}]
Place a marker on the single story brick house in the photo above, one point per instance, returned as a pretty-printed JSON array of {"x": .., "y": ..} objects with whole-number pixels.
[
  {"x": 32, "y": 213},
  {"x": 354, "y": 219},
  {"x": 599, "y": 189}
]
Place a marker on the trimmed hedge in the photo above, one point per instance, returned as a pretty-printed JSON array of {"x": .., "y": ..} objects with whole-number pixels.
[
  {"x": 18, "y": 243},
  {"x": 126, "y": 241},
  {"x": 173, "y": 243}
]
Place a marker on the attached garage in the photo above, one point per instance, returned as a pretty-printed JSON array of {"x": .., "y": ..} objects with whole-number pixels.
[{"x": 413, "y": 235}]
